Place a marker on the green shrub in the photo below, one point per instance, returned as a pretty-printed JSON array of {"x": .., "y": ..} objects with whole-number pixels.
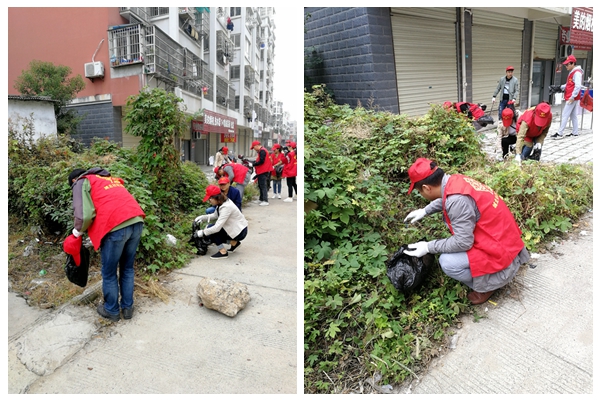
[{"x": 355, "y": 171}]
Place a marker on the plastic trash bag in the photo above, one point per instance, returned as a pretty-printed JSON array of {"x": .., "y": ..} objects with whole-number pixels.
[
  {"x": 78, "y": 274},
  {"x": 485, "y": 120},
  {"x": 407, "y": 273}
]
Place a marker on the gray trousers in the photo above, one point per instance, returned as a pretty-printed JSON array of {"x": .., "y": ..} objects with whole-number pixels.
[
  {"x": 456, "y": 266},
  {"x": 569, "y": 111}
]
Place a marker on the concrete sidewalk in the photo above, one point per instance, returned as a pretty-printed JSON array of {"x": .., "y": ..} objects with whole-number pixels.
[{"x": 177, "y": 346}]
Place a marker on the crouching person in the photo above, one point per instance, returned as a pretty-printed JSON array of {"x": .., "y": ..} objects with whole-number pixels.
[
  {"x": 485, "y": 250},
  {"x": 230, "y": 225}
]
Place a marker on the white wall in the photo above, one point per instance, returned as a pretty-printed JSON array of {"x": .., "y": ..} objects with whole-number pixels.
[{"x": 44, "y": 120}]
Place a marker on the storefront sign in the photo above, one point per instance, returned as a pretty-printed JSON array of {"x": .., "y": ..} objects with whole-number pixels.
[
  {"x": 217, "y": 123},
  {"x": 582, "y": 28},
  {"x": 228, "y": 137}
]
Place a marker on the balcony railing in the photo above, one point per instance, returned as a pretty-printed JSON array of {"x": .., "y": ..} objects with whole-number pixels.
[
  {"x": 224, "y": 48},
  {"x": 134, "y": 14},
  {"x": 164, "y": 56},
  {"x": 126, "y": 44}
]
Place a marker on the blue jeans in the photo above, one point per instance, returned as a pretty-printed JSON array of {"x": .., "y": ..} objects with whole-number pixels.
[
  {"x": 276, "y": 186},
  {"x": 501, "y": 107},
  {"x": 526, "y": 152},
  {"x": 118, "y": 249}
]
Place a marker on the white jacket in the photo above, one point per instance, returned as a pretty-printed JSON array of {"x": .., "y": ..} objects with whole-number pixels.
[{"x": 228, "y": 217}]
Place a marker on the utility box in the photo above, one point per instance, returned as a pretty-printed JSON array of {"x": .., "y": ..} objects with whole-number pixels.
[{"x": 94, "y": 70}]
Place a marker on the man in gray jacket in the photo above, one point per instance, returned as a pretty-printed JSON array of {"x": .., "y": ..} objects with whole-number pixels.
[{"x": 509, "y": 87}]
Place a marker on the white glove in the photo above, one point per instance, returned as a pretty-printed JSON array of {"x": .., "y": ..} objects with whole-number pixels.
[
  {"x": 418, "y": 249},
  {"x": 518, "y": 159},
  {"x": 538, "y": 146},
  {"x": 201, "y": 218},
  {"x": 415, "y": 215},
  {"x": 76, "y": 233},
  {"x": 493, "y": 100},
  {"x": 199, "y": 233}
]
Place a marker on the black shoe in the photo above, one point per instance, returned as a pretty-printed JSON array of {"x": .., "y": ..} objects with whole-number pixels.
[
  {"x": 556, "y": 136},
  {"x": 569, "y": 134},
  {"x": 105, "y": 313},
  {"x": 128, "y": 313},
  {"x": 232, "y": 248},
  {"x": 218, "y": 255}
]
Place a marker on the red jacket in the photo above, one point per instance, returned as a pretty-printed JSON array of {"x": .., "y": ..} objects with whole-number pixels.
[
  {"x": 497, "y": 237},
  {"x": 113, "y": 203},
  {"x": 264, "y": 167},
  {"x": 290, "y": 168},
  {"x": 532, "y": 129},
  {"x": 570, "y": 86},
  {"x": 239, "y": 172},
  {"x": 274, "y": 160}
]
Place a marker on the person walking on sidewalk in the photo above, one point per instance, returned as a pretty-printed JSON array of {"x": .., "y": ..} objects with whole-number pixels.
[
  {"x": 238, "y": 174},
  {"x": 230, "y": 225},
  {"x": 532, "y": 128},
  {"x": 485, "y": 250},
  {"x": 509, "y": 87},
  {"x": 262, "y": 169},
  {"x": 113, "y": 219},
  {"x": 572, "y": 94},
  {"x": 277, "y": 159},
  {"x": 290, "y": 171}
]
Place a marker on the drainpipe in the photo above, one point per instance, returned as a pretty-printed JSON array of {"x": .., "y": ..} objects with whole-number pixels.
[
  {"x": 463, "y": 50},
  {"x": 530, "y": 68}
]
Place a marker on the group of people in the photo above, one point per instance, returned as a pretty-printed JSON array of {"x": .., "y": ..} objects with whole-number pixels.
[{"x": 528, "y": 130}]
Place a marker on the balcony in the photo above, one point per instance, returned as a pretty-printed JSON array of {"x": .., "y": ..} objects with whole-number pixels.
[
  {"x": 224, "y": 48},
  {"x": 164, "y": 56},
  {"x": 250, "y": 76},
  {"x": 195, "y": 22},
  {"x": 134, "y": 14},
  {"x": 126, "y": 44}
]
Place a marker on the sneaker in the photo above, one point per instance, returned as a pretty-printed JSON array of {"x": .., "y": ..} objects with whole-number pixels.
[
  {"x": 105, "y": 313},
  {"x": 218, "y": 255},
  {"x": 288, "y": 200},
  {"x": 264, "y": 203},
  {"x": 255, "y": 201},
  {"x": 279, "y": 196},
  {"x": 128, "y": 313},
  {"x": 274, "y": 195},
  {"x": 556, "y": 136},
  {"x": 232, "y": 248}
]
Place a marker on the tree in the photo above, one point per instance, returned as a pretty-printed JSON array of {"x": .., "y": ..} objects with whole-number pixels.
[{"x": 43, "y": 78}]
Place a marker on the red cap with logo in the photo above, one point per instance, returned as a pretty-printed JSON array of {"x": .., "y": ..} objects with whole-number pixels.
[
  {"x": 543, "y": 114},
  {"x": 570, "y": 59},
  {"x": 276, "y": 146},
  {"x": 420, "y": 170},
  {"x": 507, "y": 116},
  {"x": 211, "y": 190},
  {"x": 256, "y": 142},
  {"x": 510, "y": 68},
  {"x": 223, "y": 180}
]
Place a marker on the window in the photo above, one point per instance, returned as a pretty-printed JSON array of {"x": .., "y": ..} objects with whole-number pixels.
[
  {"x": 236, "y": 40},
  {"x": 234, "y": 72},
  {"x": 260, "y": 95},
  {"x": 262, "y": 74},
  {"x": 248, "y": 48},
  {"x": 235, "y": 11},
  {"x": 237, "y": 103}
]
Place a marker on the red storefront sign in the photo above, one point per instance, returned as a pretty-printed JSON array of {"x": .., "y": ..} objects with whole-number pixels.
[
  {"x": 217, "y": 123},
  {"x": 582, "y": 28}
]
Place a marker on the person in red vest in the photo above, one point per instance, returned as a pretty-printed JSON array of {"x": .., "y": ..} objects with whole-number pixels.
[
  {"x": 532, "y": 127},
  {"x": 290, "y": 171},
  {"x": 485, "y": 250},
  {"x": 114, "y": 221},
  {"x": 572, "y": 93},
  {"x": 238, "y": 174},
  {"x": 262, "y": 169},
  {"x": 277, "y": 159}
]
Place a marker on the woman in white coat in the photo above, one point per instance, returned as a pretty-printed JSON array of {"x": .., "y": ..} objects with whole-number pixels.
[{"x": 230, "y": 225}]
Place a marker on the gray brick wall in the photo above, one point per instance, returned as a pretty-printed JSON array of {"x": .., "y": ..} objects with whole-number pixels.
[
  {"x": 101, "y": 120},
  {"x": 356, "y": 52}
]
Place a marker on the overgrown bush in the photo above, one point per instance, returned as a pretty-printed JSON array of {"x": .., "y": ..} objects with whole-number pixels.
[{"x": 355, "y": 168}]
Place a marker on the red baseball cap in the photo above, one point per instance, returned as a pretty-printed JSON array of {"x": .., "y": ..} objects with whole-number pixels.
[
  {"x": 254, "y": 144},
  {"x": 223, "y": 180},
  {"x": 510, "y": 68},
  {"x": 276, "y": 146},
  {"x": 420, "y": 170},
  {"x": 72, "y": 246},
  {"x": 212, "y": 190},
  {"x": 225, "y": 150},
  {"x": 543, "y": 114},
  {"x": 293, "y": 144},
  {"x": 507, "y": 116},
  {"x": 570, "y": 59}
]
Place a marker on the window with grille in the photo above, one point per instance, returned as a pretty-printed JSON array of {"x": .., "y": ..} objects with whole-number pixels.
[
  {"x": 158, "y": 11},
  {"x": 235, "y": 11},
  {"x": 236, "y": 40},
  {"x": 237, "y": 103},
  {"x": 124, "y": 45}
]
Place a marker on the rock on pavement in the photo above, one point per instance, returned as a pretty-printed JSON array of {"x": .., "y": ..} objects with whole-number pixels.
[{"x": 223, "y": 295}]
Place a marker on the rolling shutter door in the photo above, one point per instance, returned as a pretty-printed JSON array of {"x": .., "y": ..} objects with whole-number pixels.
[
  {"x": 497, "y": 42},
  {"x": 544, "y": 42},
  {"x": 425, "y": 57}
]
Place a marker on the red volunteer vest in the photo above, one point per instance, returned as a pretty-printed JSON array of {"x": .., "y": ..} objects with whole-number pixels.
[
  {"x": 266, "y": 166},
  {"x": 497, "y": 237},
  {"x": 570, "y": 86},
  {"x": 533, "y": 130},
  {"x": 239, "y": 172},
  {"x": 114, "y": 205},
  {"x": 290, "y": 168},
  {"x": 274, "y": 160}
]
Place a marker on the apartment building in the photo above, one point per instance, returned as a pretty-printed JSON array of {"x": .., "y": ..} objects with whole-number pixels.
[{"x": 219, "y": 60}]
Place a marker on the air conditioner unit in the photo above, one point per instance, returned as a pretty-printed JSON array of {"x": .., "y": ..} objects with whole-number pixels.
[
  {"x": 566, "y": 50},
  {"x": 94, "y": 69}
]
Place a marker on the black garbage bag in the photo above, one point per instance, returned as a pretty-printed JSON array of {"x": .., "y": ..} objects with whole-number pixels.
[
  {"x": 485, "y": 120},
  {"x": 78, "y": 274},
  {"x": 408, "y": 273}
]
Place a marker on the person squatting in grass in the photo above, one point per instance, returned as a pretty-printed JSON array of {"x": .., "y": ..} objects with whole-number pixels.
[
  {"x": 230, "y": 225},
  {"x": 485, "y": 250},
  {"x": 113, "y": 219}
]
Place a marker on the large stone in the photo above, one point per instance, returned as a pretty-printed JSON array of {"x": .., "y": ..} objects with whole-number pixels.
[{"x": 223, "y": 295}]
